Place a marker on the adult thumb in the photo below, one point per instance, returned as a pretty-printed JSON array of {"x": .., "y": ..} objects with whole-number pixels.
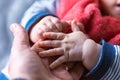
[{"x": 20, "y": 35}]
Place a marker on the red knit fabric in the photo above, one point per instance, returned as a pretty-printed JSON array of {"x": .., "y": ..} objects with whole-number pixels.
[
  {"x": 96, "y": 26},
  {"x": 87, "y": 12}
]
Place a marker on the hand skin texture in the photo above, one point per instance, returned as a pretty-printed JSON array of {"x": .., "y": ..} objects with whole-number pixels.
[
  {"x": 25, "y": 63},
  {"x": 75, "y": 46},
  {"x": 46, "y": 24}
]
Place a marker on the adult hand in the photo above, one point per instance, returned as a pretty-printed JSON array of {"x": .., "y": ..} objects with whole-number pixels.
[{"x": 25, "y": 62}]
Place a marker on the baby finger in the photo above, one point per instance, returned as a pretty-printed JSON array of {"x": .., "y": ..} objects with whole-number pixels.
[
  {"x": 51, "y": 52},
  {"x": 58, "y": 62}
]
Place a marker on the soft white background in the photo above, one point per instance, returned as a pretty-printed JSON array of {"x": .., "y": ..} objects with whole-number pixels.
[{"x": 11, "y": 11}]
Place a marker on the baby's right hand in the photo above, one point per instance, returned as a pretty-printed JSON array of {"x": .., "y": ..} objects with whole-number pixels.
[
  {"x": 72, "y": 47},
  {"x": 47, "y": 24}
]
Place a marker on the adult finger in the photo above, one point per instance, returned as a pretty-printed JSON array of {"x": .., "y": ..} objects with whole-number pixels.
[
  {"x": 20, "y": 35},
  {"x": 54, "y": 35}
]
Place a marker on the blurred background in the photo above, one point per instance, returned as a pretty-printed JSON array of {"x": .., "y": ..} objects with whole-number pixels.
[{"x": 11, "y": 11}]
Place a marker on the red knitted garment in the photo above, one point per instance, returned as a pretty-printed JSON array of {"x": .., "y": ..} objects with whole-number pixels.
[
  {"x": 96, "y": 26},
  {"x": 87, "y": 12}
]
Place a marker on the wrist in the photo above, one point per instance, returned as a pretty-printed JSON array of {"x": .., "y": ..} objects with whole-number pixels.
[
  {"x": 91, "y": 53},
  {"x": 35, "y": 33}
]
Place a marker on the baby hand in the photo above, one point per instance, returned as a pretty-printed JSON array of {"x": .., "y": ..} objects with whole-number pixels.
[
  {"x": 74, "y": 46},
  {"x": 47, "y": 24},
  {"x": 69, "y": 46}
]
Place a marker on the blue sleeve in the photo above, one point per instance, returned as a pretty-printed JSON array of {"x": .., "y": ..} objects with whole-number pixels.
[
  {"x": 37, "y": 11},
  {"x": 36, "y": 18},
  {"x": 2, "y": 76},
  {"x": 107, "y": 57}
]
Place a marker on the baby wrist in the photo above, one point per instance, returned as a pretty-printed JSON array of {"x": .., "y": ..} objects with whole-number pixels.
[{"x": 91, "y": 52}]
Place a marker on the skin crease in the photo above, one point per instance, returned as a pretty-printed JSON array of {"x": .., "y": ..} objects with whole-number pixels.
[
  {"x": 70, "y": 47},
  {"x": 23, "y": 58},
  {"x": 25, "y": 62},
  {"x": 47, "y": 24},
  {"x": 110, "y": 7}
]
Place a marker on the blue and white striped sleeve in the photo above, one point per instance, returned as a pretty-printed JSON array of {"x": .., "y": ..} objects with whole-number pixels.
[
  {"x": 38, "y": 10},
  {"x": 108, "y": 66},
  {"x": 113, "y": 72}
]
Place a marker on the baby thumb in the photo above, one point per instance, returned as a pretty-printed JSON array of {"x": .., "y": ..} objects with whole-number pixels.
[
  {"x": 74, "y": 26},
  {"x": 77, "y": 26},
  {"x": 20, "y": 35}
]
